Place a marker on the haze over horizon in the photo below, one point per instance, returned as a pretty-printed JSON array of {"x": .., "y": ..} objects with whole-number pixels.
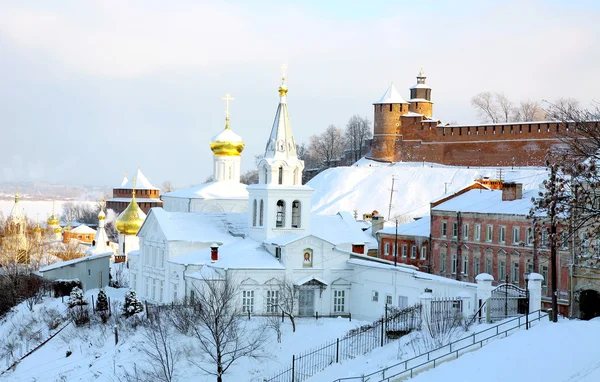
[{"x": 93, "y": 89}]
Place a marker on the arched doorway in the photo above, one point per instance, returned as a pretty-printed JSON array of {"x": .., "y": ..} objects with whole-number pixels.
[{"x": 589, "y": 304}]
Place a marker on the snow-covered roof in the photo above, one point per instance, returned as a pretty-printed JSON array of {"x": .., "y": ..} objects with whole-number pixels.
[
  {"x": 420, "y": 227},
  {"x": 139, "y": 200},
  {"x": 212, "y": 190},
  {"x": 391, "y": 95},
  {"x": 227, "y": 135},
  {"x": 412, "y": 114},
  {"x": 419, "y": 100},
  {"x": 420, "y": 86},
  {"x": 237, "y": 253},
  {"x": 488, "y": 202},
  {"x": 199, "y": 226},
  {"x": 306, "y": 279},
  {"x": 141, "y": 182},
  {"x": 83, "y": 229},
  {"x": 74, "y": 261}
]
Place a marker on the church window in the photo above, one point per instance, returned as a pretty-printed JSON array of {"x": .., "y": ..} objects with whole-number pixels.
[
  {"x": 386, "y": 249},
  {"x": 154, "y": 289},
  {"x": 374, "y": 296},
  {"x": 174, "y": 289},
  {"x": 296, "y": 214},
  {"x": 248, "y": 301},
  {"x": 278, "y": 252},
  {"x": 272, "y": 301},
  {"x": 390, "y": 107},
  {"x": 265, "y": 175},
  {"x": 280, "y": 219},
  {"x": 339, "y": 299},
  {"x": 262, "y": 210},
  {"x": 254, "y": 213},
  {"x": 280, "y": 175}
]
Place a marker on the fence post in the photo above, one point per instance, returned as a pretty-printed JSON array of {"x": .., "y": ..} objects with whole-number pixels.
[
  {"x": 337, "y": 351},
  {"x": 425, "y": 308},
  {"x": 109, "y": 307},
  {"x": 382, "y": 324},
  {"x": 147, "y": 311},
  {"x": 293, "y": 366},
  {"x": 484, "y": 291},
  {"x": 350, "y": 316},
  {"x": 317, "y": 315},
  {"x": 534, "y": 285},
  {"x": 93, "y": 306},
  {"x": 116, "y": 335},
  {"x": 282, "y": 315}
]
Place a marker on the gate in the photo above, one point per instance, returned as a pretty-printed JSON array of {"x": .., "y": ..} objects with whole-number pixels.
[{"x": 508, "y": 301}]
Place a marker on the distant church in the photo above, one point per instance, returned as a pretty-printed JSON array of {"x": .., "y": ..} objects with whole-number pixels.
[{"x": 408, "y": 132}]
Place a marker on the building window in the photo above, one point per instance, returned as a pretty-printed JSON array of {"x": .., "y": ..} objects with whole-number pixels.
[
  {"x": 404, "y": 250},
  {"x": 443, "y": 260},
  {"x": 89, "y": 272},
  {"x": 265, "y": 175},
  {"x": 280, "y": 175},
  {"x": 413, "y": 252},
  {"x": 489, "y": 266},
  {"x": 444, "y": 229},
  {"x": 386, "y": 249},
  {"x": 272, "y": 301},
  {"x": 153, "y": 289},
  {"x": 515, "y": 272},
  {"x": 564, "y": 243},
  {"x": 162, "y": 287},
  {"x": 248, "y": 301},
  {"x": 465, "y": 231},
  {"x": 388, "y": 299},
  {"x": 544, "y": 273},
  {"x": 423, "y": 252},
  {"x": 296, "y": 214},
  {"x": 339, "y": 301},
  {"x": 174, "y": 290},
  {"x": 280, "y": 219},
  {"x": 254, "y": 213},
  {"x": 147, "y": 287},
  {"x": 516, "y": 235},
  {"x": 278, "y": 252},
  {"x": 529, "y": 239},
  {"x": 502, "y": 234},
  {"x": 454, "y": 263},
  {"x": 489, "y": 232},
  {"x": 529, "y": 268},
  {"x": 477, "y": 232},
  {"x": 402, "y": 302},
  {"x": 262, "y": 210},
  {"x": 454, "y": 229},
  {"x": 544, "y": 238},
  {"x": 476, "y": 266},
  {"x": 465, "y": 265},
  {"x": 374, "y": 296},
  {"x": 501, "y": 270}
]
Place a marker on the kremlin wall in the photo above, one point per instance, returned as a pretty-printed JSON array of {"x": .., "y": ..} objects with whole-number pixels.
[{"x": 407, "y": 132}]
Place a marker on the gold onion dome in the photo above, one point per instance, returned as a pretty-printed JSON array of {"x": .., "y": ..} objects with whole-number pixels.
[
  {"x": 52, "y": 220},
  {"x": 57, "y": 230},
  {"x": 130, "y": 221},
  {"x": 227, "y": 142},
  {"x": 37, "y": 228}
]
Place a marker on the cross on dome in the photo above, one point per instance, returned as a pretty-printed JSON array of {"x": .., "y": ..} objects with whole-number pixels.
[{"x": 227, "y": 98}]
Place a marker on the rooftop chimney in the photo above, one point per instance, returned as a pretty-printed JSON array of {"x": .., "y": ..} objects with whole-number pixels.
[
  {"x": 376, "y": 223},
  {"x": 512, "y": 191},
  {"x": 214, "y": 252}
]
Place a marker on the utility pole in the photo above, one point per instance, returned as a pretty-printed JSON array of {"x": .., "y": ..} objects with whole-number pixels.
[
  {"x": 553, "y": 244},
  {"x": 391, "y": 196}
]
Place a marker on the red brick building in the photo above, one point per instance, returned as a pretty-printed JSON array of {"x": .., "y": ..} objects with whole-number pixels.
[
  {"x": 407, "y": 131},
  {"x": 146, "y": 195},
  {"x": 411, "y": 240},
  {"x": 488, "y": 231}
]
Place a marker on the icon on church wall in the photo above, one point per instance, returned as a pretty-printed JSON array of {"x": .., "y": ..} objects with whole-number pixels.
[{"x": 308, "y": 258}]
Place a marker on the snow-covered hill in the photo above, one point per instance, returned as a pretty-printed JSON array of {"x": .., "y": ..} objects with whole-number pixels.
[{"x": 366, "y": 186}]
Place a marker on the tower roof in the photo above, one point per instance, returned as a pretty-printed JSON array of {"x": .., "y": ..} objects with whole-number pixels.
[
  {"x": 16, "y": 212},
  {"x": 421, "y": 81},
  {"x": 141, "y": 182},
  {"x": 281, "y": 144},
  {"x": 227, "y": 142},
  {"x": 391, "y": 95},
  {"x": 125, "y": 180}
]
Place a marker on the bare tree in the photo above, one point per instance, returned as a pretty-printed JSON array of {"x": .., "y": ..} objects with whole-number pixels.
[
  {"x": 274, "y": 322},
  {"x": 161, "y": 351},
  {"x": 81, "y": 212},
  {"x": 358, "y": 130},
  {"x": 249, "y": 177},
  {"x": 505, "y": 107},
  {"x": 288, "y": 299},
  {"x": 328, "y": 146},
  {"x": 167, "y": 186},
  {"x": 487, "y": 108},
  {"x": 529, "y": 111},
  {"x": 220, "y": 327}
]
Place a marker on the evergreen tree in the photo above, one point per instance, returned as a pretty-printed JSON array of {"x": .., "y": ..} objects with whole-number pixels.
[
  {"x": 76, "y": 298},
  {"x": 102, "y": 302},
  {"x": 78, "y": 307},
  {"x": 132, "y": 305}
]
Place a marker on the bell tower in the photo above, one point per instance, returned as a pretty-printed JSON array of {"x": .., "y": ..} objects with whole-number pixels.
[
  {"x": 420, "y": 96},
  {"x": 279, "y": 204}
]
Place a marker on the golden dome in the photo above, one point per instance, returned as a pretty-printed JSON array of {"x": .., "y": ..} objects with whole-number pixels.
[
  {"x": 283, "y": 89},
  {"x": 57, "y": 230},
  {"x": 37, "y": 228},
  {"x": 130, "y": 221},
  {"x": 52, "y": 220},
  {"x": 227, "y": 143}
]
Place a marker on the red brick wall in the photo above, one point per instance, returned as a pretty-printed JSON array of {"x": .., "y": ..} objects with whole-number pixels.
[{"x": 409, "y": 242}]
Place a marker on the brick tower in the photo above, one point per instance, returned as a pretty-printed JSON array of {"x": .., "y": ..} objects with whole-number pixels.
[
  {"x": 420, "y": 96},
  {"x": 387, "y": 129}
]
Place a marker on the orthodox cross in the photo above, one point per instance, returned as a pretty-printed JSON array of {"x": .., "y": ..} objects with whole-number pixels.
[
  {"x": 227, "y": 98},
  {"x": 284, "y": 71},
  {"x": 102, "y": 203},
  {"x": 133, "y": 190}
]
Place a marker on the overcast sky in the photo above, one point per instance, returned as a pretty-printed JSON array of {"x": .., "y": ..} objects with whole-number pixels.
[{"x": 90, "y": 89}]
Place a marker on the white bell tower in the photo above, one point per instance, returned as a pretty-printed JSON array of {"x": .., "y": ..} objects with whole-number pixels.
[{"x": 279, "y": 204}]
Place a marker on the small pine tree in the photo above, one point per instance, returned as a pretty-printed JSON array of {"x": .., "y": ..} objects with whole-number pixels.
[
  {"x": 102, "y": 302},
  {"x": 132, "y": 305},
  {"x": 76, "y": 298}
]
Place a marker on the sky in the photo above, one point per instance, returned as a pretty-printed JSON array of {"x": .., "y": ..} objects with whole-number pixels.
[{"x": 90, "y": 89}]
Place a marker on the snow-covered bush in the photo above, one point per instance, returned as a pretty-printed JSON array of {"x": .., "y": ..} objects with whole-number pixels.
[
  {"x": 78, "y": 307},
  {"x": 133, "y": 305},
  {"x": 102, "y": 306}
]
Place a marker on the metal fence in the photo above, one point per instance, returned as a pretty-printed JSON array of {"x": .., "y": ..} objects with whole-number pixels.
[{"x": 394, "y": 324}]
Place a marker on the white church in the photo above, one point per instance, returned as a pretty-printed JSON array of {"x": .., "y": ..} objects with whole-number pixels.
[{"x": 265, "y": 232}]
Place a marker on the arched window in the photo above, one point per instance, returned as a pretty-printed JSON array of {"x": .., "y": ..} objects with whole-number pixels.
[
  {"x": 280, "y": 175},
  {"x": 280, "y": 219},
  {"x": 254, "y": 214},
  {"x": 262, "y": 209},
  {"x": 265, "y": 175},
  {"x": 296, "y": 214}
]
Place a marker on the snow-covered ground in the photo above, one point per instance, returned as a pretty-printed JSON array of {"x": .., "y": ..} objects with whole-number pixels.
[
  {"x": 366, "y": 186},
  {"x": 95, "y": 357}
]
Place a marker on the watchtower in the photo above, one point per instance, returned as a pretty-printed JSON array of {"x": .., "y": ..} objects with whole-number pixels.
[
  {"x": 420, "y": 96},
  {"x": 387, "y": 128}
]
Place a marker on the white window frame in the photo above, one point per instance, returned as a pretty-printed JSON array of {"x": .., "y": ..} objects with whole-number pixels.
[
  {"x": 374, "y": 296},
  {"x": 454, "y": 229},
  {"x": 388, "y": 299},
  {"x": 413, "y": 251},
  {"x": 339, "y": 300},
  {"x": 465, "y": 267},
  {"x": 424, "y": 252},
  {"x": 502, "y": 234},
  {"x": 248, "y": 300},
  {"x": 386, "y": 249},
  {"x": 516, "y": 235},
  {"x": 501, "y": 271},
  {"x": 489, "y": 233},
  {"x": 465, "y": 231},
  {"x": 402, "y": 302},
  {"x": 272, "y": 301},
  {"x": 444, "y": 229},
  {"x": 515, "y": 272},
  {"x": 476, "y": 266},
  {"x": 443, "y": 261},
  {"x": 454, "y": 263},
  {"x": 477, "y": 235}
]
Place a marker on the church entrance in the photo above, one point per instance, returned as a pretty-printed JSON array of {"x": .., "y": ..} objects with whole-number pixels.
[
  {"x": 306, "y": 302},
  {"x": 589, "y": 304}
]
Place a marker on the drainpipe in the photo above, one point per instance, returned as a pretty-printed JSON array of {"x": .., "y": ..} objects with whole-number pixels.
[
  {"x": 429, "y": 254},
  {"x": 458, "y": 249}
]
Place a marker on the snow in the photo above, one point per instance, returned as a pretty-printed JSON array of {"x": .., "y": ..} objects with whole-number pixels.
[
  {"x": 489, "y": 202},
  {"x": 420, "y": 86},
  {"x": 141, "y": 182},
  {"x": 419, "y": 100},
  {"x": 391, "y": 95},
  {"x": 83, "y": 229},
  {"x": 139, "y": 200},
  {"x": 421, "y": 227},
  {"x": 212, "y": 190},
  {"x": 366, "y": 186},
  {"x": 227, "y": 136}
]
